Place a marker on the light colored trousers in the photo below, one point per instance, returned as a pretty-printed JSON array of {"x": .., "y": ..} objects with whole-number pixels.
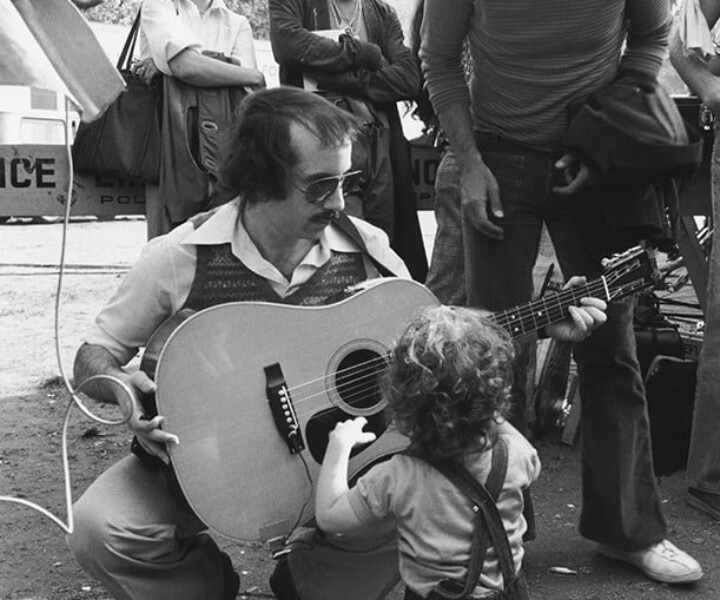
[
  {"x": 703, "y": 471},
  {"x": 133, "y": 536}
]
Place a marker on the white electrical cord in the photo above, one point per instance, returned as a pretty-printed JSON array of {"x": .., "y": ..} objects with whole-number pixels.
[{"x": 75, "y": 399}]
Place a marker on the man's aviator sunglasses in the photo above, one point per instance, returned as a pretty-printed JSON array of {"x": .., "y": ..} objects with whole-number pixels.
[{"x": 319, "y": 190}]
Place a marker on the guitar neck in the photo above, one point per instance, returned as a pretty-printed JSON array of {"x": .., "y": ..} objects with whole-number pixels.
[{"x": 528, "y": 318}]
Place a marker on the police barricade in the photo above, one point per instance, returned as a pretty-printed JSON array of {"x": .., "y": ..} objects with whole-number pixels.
[
  {"x": 34, "y": 182},
  {"x": 425, "y": 160}
]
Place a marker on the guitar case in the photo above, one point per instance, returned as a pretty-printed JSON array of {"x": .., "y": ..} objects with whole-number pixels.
[
  {"x": 552, "y": 387},
  {"x": 654, "y": 334},
  {"x": 669, "y": 385},
  {"x": 670, "y": 390}
]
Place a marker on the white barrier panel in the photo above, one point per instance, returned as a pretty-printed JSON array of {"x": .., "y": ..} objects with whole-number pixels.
[
  {"x": 34, "y": 181},
  {"x": 425, "y": 161}
]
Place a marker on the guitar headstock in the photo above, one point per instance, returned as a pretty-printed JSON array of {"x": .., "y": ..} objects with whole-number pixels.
[{"x": 629, "y": 273}]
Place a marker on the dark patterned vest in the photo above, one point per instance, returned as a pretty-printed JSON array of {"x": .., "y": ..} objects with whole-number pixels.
[{"x": 221, "y": 277}]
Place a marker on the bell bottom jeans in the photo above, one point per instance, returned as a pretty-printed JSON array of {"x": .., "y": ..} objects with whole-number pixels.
[
  {"x": 703, "y": 472},
  {"x": 621, "y": 504}
]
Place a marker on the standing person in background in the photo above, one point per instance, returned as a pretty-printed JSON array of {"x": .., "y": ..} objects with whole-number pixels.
[
  {"x": 532, "y": 62},
  {"x": 206, "y": 54},
  {"x": 366, "y": 70},
  {"x": 701, "y": 72},
  {"x": 446, "y": 273}
]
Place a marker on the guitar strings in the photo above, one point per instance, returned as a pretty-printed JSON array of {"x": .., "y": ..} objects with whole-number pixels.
[
  {"x": 522, "y": 312},
  {"x": 340, "y": 374}
]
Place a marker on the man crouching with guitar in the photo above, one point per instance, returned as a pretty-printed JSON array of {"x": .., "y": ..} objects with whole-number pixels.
[{"x": 284, "y": 239}]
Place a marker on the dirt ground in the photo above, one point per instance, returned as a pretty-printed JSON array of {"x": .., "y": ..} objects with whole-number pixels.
[{"x": 35, "y": 563}]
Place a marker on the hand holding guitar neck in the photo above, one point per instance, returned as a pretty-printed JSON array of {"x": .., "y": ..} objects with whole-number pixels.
[{"x": 582, "y": 322}]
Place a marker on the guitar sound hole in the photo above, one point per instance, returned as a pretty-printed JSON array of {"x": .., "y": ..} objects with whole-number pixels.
[{"x": 358, "y": 379}]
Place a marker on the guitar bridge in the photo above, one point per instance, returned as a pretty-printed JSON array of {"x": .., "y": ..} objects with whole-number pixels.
[{"x": 282, "y": 408}]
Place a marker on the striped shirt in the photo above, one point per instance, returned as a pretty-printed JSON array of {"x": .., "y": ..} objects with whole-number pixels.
[{"x": 533, "y": 60}]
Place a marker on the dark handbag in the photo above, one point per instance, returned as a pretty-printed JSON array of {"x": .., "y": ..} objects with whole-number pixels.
[
  {"x": 125, "y": 141},
  {"x": 670, "y": 390}
]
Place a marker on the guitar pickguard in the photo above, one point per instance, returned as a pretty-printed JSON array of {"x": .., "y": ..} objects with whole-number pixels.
[{"x": 321, "y": 424}]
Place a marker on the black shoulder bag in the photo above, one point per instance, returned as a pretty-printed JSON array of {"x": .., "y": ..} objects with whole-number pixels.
[{"x": 124, "y": 141}]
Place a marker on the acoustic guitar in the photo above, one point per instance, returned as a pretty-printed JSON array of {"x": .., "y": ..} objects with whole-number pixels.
[{"x": 253, "y": 389}]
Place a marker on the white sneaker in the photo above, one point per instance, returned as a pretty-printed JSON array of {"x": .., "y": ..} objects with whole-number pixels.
[{"x": 663, "y": 562}]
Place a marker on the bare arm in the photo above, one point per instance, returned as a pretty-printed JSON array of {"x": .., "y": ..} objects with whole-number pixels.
[
  {"x": 444, "y": 27},
  {"x": 480, "y": 193},
  {"x": 93, "y": 360},
  {"x": 333, "y": 511},
  {"x": 204, "y": 71},
  {"x": 175, "y": 48}
]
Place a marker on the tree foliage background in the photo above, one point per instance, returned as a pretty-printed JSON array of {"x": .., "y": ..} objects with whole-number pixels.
[{"x": 123, "y": 12}]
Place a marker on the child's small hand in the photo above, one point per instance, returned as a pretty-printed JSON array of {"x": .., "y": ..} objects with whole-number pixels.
[{"x": 350, "y": 433}]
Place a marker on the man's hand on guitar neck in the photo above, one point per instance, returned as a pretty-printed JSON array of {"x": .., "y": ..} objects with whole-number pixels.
[
  {"x": 149, "y": 432},
  {"x": 583, "y": 320}
]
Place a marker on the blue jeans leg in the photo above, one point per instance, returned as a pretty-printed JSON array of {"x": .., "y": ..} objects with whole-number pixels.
[
  {"x": 703, "y": 472},
  {"x": 446, "y": 276},
  {"x": 621, "y": 504}
]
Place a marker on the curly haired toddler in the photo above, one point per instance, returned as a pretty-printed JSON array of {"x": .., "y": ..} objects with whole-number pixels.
[{"x": 448, "y": 390}]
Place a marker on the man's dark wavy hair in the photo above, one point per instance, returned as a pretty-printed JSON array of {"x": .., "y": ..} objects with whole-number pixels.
[
  {"x": 257, "y": 154},
  {"x": 449, "y": 381}
]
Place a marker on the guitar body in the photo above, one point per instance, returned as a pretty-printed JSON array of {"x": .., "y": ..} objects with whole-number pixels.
[
  {"x": 246, "y": 476},
  {"x": 252, "y": 390}
]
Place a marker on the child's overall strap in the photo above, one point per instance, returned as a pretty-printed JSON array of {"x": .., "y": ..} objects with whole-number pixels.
[
  {"x": 488, "y": 523},
  {"x": 488, "y": 526}
]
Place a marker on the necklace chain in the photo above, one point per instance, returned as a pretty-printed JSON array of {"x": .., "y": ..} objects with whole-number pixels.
[{"x": 351, "y": 22}]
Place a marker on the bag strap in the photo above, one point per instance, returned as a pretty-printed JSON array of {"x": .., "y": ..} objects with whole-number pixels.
[
  {"x": 488, "y": 522},
  {"x": 345, "y": 225},
  {"x": 128, "y": 50}
]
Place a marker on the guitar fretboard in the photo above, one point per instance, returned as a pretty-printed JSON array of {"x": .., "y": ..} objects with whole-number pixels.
[{"x": 547, "y": 310}]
